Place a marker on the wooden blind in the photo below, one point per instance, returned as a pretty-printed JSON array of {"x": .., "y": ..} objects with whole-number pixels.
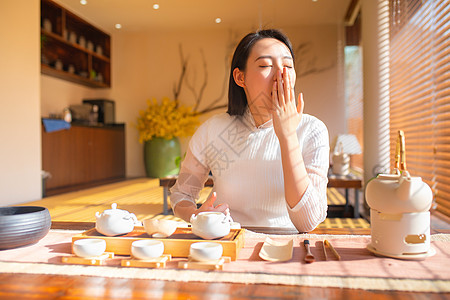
[{"x": 420, "y": 90}]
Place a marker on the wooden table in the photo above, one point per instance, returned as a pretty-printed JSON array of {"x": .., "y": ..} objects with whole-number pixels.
[
  {"x": 43, "y": 286},
  {"x": 346, "y": 182}
]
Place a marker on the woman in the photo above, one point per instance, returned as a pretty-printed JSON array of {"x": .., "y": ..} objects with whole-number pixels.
[{"x": 269, "y": 161}]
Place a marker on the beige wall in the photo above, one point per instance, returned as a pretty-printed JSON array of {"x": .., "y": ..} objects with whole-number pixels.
[{"x": 20, "y": 150}]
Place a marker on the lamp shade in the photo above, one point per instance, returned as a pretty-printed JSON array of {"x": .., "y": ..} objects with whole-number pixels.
[{"x": 349, "y": 144}]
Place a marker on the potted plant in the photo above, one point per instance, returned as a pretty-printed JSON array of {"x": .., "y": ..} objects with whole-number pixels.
[{"x": 160, "y": 125}]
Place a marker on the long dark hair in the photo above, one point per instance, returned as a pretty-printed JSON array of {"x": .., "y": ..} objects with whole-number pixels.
[{"x": 237, "y": 100}]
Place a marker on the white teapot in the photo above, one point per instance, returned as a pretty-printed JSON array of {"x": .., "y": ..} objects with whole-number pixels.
[
  {"x": 398, "y": 194},
  {"x": 211, "y": 225},
  {"x": 112, "y": 222},
  {"x": 399, "y": 211}
]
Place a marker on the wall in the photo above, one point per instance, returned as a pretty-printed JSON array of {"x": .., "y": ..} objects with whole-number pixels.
[{"x": 20, "y": 150}]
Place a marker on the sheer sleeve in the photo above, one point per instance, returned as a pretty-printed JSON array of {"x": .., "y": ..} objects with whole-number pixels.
[
  {"x": 312, "y": 208},
  {"x": 190, "y": 182}
]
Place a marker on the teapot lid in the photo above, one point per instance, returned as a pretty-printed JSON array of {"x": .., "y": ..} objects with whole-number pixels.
[{"x": 115, "y": 211}]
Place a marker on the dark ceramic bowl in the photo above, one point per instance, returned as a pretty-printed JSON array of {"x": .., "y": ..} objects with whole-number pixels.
[{"x": 23, "y": 225}]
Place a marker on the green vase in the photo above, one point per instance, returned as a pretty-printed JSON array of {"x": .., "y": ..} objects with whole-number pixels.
[{"x": 161, "y": 156}]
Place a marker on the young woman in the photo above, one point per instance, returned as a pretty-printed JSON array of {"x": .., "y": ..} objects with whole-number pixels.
[{"x": 269, "y": 161}]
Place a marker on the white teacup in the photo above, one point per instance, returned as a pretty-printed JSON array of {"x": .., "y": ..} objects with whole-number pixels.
[
  {"x": 211, "y": 225},
  {"x": 89, "y": 247},
  {"x": 205, "y": 251},
  {"x": 160, "y": 228},
  {"x": 147, "y": 249}
]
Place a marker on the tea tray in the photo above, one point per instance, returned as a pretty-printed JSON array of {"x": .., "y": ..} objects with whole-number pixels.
[
  {"x": 204, "y": 265},
  {"x": 177, "y": 245}
]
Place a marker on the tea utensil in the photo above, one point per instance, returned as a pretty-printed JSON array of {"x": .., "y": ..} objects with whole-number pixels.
[
  {"x": 324, "y": 250},
  {"x": 89, "y": 247},
  {"x": 276, "y": 250},
  {"x": 147, "y": 249},
  {"x": 309, "y": 258},
  {"x": 205, "y": 251},
  {"x": 328, "y": 244}
]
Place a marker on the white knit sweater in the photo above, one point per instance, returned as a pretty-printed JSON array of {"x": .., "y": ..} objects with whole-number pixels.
[{"x": 245, "y": 162}]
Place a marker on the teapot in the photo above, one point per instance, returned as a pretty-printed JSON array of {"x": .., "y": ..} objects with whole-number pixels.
[
  {"x": 341, "y": 161},
  {"x": 399, "y": 211},
  {"x": 211, "y": 225},
  {"x": 399, "y": 192},
  {"x": 112, "y": 222}
]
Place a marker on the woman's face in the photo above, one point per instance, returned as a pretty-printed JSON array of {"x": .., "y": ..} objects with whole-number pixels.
[{"x": 267, "y": 57}]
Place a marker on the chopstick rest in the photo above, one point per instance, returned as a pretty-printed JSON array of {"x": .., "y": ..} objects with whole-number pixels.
[{"x": 328, "y": 244}]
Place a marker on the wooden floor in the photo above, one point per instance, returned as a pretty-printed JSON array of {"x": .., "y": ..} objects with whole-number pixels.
[{"x": 144, "y": 198}]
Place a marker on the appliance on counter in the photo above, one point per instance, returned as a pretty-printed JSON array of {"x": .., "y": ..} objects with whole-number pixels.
[
  {"x": 106, "y": 110},
  {"x": 80, "y": 112}
]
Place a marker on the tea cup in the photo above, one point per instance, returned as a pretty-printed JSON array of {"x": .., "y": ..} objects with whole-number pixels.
[
  {"x": 147, "y": 249},
  {"x": 205, "y": 251},
  {"x": 160, "y": 228},
  {"x": 89, "y": 247}
]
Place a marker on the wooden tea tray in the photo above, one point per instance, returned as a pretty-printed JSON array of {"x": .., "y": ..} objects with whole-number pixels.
[
  {"x": 158, "y": 262},
  {"x": 204, "y": 265},
  {"x": 94, "y": 260},
  {"x": 177, "y": 245}
]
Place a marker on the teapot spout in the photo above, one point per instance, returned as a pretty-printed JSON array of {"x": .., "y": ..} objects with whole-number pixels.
[{"x": 193, "y": 218}]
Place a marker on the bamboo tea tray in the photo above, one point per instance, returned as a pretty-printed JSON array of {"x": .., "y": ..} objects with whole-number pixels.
[
  {"x": 177, "y": 245},
  {"x": 204, "y": 265},
  {"x": 94, "y": 260}
]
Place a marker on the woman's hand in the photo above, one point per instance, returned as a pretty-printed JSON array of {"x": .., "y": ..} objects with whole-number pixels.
[
  {"x": 286, "y": 117},
  {"x": 208, "y": 205}
]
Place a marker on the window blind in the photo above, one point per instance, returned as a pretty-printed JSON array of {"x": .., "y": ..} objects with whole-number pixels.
[{"x": 420, "y": 90}]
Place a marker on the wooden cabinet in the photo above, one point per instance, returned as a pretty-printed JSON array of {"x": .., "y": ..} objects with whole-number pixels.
[
  {"x": 72, "y": 49},
  {"x": 83, "y": 156}
]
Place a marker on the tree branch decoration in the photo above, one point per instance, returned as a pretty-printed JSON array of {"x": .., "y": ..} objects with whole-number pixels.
[{"x": 199, "y": 92}]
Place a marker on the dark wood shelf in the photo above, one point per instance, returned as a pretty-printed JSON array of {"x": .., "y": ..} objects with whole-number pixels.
[
  {"x": 47, "y": 70},
  {"x": 89, "y": 60}
]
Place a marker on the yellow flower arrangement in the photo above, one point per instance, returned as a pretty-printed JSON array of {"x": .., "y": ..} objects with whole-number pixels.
[{"x": 167, "y": 120}]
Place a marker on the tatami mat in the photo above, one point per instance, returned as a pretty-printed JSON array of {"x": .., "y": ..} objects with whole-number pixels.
[{"x": 144, "y": 198}]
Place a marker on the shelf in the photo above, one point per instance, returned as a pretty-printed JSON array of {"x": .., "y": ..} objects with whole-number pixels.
[
  {"x": 47, "y": 70},
  {"x": 72, "y": 49}
]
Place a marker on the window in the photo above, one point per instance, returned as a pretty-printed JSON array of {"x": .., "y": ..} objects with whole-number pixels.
[{"x": 420, "y": 90}]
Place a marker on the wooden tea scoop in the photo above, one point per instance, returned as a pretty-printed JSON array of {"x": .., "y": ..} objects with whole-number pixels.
[
  {"x": 309, "y": 258},
  {"x": 336, "y": 254}
]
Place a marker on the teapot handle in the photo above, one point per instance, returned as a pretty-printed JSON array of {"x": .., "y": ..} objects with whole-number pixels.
[{"x": 227, "y": 217}]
